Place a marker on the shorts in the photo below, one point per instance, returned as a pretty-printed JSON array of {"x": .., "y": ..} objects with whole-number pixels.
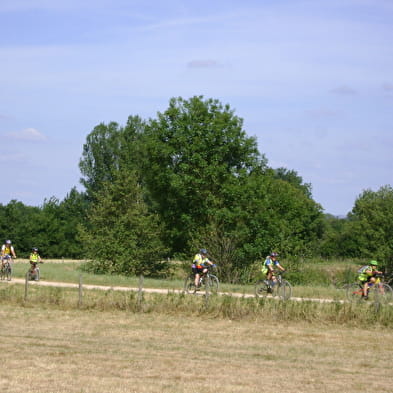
[{"x": 197, "y": 269}]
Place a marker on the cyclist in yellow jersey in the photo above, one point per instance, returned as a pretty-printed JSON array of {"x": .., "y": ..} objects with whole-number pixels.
[
  {"x": 199, "y": 265},
  {"x": 34, "y": 260},
  {"x": 7, "y": 251}
]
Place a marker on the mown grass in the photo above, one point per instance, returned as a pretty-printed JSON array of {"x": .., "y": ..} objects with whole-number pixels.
[
  {"x": 116, "y": 342},
  {"x": 49, "y": 349}
]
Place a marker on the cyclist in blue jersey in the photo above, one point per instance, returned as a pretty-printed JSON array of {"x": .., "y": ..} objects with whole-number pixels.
[{"x": 271, "y": 263}]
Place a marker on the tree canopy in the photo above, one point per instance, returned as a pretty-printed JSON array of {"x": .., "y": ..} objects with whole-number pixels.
[{"x": 205, "y": 179}]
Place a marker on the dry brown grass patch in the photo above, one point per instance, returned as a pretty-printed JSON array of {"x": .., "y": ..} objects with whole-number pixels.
[{"x": 53, "y": 351}]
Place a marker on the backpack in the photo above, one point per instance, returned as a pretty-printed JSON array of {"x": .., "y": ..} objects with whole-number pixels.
[{"x": 363, "y": 269}]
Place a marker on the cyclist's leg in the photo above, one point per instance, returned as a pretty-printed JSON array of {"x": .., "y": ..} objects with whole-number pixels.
[
  {"x": 35, "y": 271},
  {"x": 379, "y": 286},
  {"x": 365, "y": 288},
  {"x": 273, "y": 279},
  {"x": 7, "y": 262},
  {"x": 265, "y": 272},
  {"x": 197, "y": 271},
  {"x": 269, "y": 275}
]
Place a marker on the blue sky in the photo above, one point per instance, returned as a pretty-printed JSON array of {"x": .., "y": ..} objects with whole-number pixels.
[{"x": 313, "y": 81}]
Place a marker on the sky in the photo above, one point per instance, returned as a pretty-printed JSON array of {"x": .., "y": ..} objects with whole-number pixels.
[{"x": 312, "y": 80}]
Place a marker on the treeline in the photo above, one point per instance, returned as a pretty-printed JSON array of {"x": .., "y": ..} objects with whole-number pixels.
[
  {"x": 52, "y": 227},
  {"x": 161, "y": 188}
]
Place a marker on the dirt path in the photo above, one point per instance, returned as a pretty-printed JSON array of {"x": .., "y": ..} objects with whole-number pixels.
[{"x": 148, "y": 290}]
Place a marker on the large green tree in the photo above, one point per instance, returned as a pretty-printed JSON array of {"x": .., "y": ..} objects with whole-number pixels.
[
  {"x": 370, "y": 225},
  {"x": 193, "y": 151},
  {"x": 206, "y": 180},
  {"x": 262, "y": 215}
]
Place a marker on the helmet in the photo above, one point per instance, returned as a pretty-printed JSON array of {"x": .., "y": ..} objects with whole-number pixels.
[
  {"x": 8, "y": 242},
  {"x": 274, "y": 254},
  {"x": 34, "y": 249},
  {"x": 203, "y": 251},
  {"x": 374, "y": 263}
]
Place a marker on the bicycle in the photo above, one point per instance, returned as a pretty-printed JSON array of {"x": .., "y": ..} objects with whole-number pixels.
[
  {"x": 6, "y": 268},
  {"x": 281, "y": 288},
  {"x": 378, "y": 292},
  {"x": 207, "y": 281},
  {"x": 388, "y": 279},
  {"x": 33, "y": 274}
]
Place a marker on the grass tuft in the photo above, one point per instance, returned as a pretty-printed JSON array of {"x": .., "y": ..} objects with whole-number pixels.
[{"x": 224, "y": 307}]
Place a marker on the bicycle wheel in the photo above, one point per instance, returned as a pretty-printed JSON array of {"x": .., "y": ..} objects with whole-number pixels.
[
  {"x": 8, "y": 272},
  {"x": 382, "y": 293},
  {"x": 354, "y": 292},
  {"x": 262, "y": 289},
  {"x": 284, "y": 290},
  {"x": 189, "y": 284},
  {"x": 213, "y": 283}
]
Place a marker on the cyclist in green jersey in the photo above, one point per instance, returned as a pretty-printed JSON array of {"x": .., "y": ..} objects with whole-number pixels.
[{"x": 367, "y": 277}]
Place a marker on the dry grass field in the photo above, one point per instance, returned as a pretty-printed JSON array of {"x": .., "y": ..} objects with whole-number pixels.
[{"x": 48, "y": 350}]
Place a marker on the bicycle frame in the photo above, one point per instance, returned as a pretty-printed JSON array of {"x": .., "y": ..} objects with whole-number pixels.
[
  {"x": 281, "y": 287},
  {"x": 207, "y": 280},
  {"x": 379, "y": 291},
  {"x": 6, "y": 268}
]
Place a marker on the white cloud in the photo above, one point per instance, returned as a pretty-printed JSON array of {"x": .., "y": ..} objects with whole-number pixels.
[
  {"x": 203, "y": 64},
  {"x": 27, "y": 134},
  {"x": 344, "y": 90}
]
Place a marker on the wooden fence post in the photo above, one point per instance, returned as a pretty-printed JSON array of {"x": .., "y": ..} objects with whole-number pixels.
[
  {"x": 207, "y": 290},
  {"x": 80, "y": 291},
  {"x": 26, "y": 284},
  {"x": 140, "y": 290}
]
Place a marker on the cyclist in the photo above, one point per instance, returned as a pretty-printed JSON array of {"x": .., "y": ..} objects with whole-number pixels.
[
  {"x": 7, "y": 251},
  {"x": 35, "y": 258},
  {"x": 271, "y": 262},
  {"x": 200, "y": 265},
  {"x": 367, "y": 277}
]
